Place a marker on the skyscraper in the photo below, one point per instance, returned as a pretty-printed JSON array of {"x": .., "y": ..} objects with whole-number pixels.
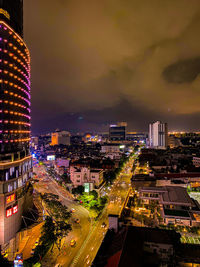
[
  {"x": 158, "y": 135},
  {"x": 15, "y": 159},
  {"x": 117, "y": 132},
  {"x": 60, "y": 138}
]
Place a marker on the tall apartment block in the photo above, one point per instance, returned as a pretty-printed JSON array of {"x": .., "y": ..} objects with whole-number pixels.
[
  {"x": 158, "y": 135},
  {"x": 60, "y": 138},
  {"x": 15, "y": 158}
]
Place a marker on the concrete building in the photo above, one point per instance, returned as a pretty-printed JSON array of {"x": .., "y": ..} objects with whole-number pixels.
[
  {"x": 15, "y": 158},
  {"x": 137, "y": 246},
  {"x": 110, "y": 148},
  {"x": 117, "y": 132},
  {"x": 60, "y": 138},
  {"x": 81, "y": 175},
  {"x": 176, "y": 206},
  {"x": 173, "y": 141},
  {"x": 196, "y": 161},
  {"x": 158, "y": 135}
]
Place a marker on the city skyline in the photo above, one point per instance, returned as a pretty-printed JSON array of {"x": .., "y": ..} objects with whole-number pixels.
[
  {"x": 97, "y": 64},
  {"x": 83, "y": 183}
]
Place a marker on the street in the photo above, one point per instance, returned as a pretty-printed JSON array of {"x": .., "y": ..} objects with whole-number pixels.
[{"x": 88, "y": 235}]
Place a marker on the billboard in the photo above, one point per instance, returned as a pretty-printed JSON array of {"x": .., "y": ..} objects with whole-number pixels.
[
  {"x": 15, "y": 209},
  {"x": 51, "y": 157},
  {"x": 86, "y": 187},
  {"x": 8, "y": 212}
]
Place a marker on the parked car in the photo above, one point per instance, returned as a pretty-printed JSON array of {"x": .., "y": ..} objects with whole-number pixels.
[
  {"x": 72, "y": 242},
  {"x": 73, "y": 210}
]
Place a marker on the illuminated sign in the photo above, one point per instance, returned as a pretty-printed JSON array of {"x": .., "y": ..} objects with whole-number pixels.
[
  {"x": 9, "y": 212},
  {"x": 10, "y": 198},
  {"x": 15, "y": 209},
  {"x": 18, "y": 263},
  {"x": 51, "y": 157},
  {"x": 5, "y": 13},
  {"x": 86, "y": 187}
]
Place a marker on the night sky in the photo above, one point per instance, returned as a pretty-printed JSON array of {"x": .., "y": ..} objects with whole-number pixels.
[{"x": 100, "y": 61}]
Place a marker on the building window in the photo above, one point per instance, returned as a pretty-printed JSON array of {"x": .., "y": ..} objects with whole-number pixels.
[{"x": 10, "y": 188}]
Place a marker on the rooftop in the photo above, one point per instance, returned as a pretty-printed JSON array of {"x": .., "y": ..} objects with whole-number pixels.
[
  {"x": 177, "y": 213},
  {"x": 126, "y": 248},
  {"x": 171, "y": 194}
]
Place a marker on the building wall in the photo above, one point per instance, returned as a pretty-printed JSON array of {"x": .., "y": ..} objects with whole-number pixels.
[
  {"x": 17, "y": 187},
  {"x": 196, "y": 161},
  {"x": 158, "y": 135},
  {"x": 164, "y": 250},
  {"x": 85, "y": 175},
  {"x": 15, "y": 159},
  {"x": 117, "y": 132},
  {"x": 110, "y": 149},
  {"x": 60, "y": 138}
]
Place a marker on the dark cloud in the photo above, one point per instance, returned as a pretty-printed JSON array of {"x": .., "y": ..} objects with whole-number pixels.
[
  {"x": 89, "y": 55},
  {"x": 185, "y": 71}
]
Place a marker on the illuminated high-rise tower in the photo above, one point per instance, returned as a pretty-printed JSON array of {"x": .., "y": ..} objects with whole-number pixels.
[
  {"x": 15, "y": 159},
  {"x": 158, "y": 135}
]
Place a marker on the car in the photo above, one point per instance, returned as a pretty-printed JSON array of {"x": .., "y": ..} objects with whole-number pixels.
[
  {"x": 32, "y": 251},
  {"x": 103, "y": 225},
  {"x": 73, "y": 210},
  {"x": 72, "y": 242}
]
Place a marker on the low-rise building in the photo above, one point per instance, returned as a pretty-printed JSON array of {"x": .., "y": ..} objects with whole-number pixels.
[
  {"x": 110, "y": 148},
  {"x": 82, "y": 175},
  {"x": 176, "y": 206},
  {"x": 137, "y": 246},
  {"x": 196, "y": 161}
]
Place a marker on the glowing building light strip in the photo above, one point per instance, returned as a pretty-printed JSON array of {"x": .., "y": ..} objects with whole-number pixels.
[
  {"x": 18, "y": 96},
  {"x": 16, "y": 161},
  {"x": 18, "y": 87},
  {"x": 16, "y": 113},
  {"x": 15, "y": 58},
  {"x": 15, "y": 104},
  {"x": 16, "y": 140},
  {"x": 19, "y": 38}
]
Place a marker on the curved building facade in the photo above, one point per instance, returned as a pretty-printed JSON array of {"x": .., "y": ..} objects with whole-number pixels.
[{"x": 15, "y": 159}]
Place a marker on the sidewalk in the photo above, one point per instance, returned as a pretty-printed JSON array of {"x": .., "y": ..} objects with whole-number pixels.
[{"x": 27, "y": 243}]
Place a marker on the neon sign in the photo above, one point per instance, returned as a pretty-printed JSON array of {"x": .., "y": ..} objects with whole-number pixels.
[
  {"x": 10, "y": 198},
  {"x": 15, "y": 209},
  {"x": 5, "y": 13},
  {"x": 9, "y": 212}
]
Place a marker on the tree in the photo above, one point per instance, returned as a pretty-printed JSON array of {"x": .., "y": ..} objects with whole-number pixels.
[
  {"x": 56, "y": 209},
  {"x": 78, "y": 190},
  {"x": 94, "y": 194},
  {"x": 48, "y": 229},
  {"x": 61, "y": 230}
]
